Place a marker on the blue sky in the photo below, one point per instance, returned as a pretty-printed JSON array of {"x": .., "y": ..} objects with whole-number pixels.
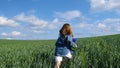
[{"x": 42, "y": 19}]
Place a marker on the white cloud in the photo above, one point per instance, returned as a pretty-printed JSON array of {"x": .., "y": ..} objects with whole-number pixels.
[
  {"x": 69, "y": 15},
  {"x": 113, "y": 24},
  {"x": 8, "y": 22},
  {"x": 33, "y": 20},
  {"x": 4, "y": 34},
  {"x": 109, "y": 24},
  {"x": 118, "y": 28},
  {"x": 8, "y": 38},
  {"x": 36, "y": 23},
  {"x": 38, "y": 31},
  {"x": 55, "y": 21},
  {"x": 83, "y": 25},
  {"x": 54, "y": 24},
  {"x": 105, "y": 5},
  {"x": 101, "y": 25},
  {"x": 112, "y": 20},
  {"x": 13, "y": 34},
  {"x": 16, "y": 33}
]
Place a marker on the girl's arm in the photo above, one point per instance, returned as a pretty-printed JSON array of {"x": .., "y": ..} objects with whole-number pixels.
[{"x": 70, "y": 41}]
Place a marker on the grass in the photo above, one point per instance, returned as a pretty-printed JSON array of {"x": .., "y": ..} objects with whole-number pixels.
[{"x": 94, "y": 52}]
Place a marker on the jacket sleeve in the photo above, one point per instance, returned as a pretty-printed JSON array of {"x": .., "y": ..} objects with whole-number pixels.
[{"x": 70, "y": 42}]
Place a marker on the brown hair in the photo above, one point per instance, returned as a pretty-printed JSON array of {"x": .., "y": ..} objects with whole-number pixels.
[{"x": 66, "y": 29}]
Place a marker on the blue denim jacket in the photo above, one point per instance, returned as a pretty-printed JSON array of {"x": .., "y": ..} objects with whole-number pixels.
[{"x": 63, "y": 44}]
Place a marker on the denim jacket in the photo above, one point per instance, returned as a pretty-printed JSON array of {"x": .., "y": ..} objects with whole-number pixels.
[{"x": 63, "y": 44}]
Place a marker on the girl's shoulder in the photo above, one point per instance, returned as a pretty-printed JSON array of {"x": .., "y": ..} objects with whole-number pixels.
[
  {"x": 69, "y": 36},
  {"x": 65, "y": 36}
]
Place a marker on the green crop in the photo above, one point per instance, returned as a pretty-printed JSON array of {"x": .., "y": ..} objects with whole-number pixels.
[{"x": 95, "y": 52}]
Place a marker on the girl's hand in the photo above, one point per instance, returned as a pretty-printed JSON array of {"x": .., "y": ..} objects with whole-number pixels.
[{"x": 75, "y": 45}]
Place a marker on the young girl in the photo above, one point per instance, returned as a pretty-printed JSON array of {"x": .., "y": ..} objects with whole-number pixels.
[{"x": 63, "y": 44}]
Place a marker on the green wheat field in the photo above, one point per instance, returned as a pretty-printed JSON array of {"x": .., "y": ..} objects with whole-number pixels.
[{"x": 92, "y": 52}]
